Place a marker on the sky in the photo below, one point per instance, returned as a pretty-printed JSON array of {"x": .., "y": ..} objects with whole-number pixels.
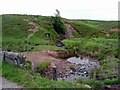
[{"x": 70, "y": 9}]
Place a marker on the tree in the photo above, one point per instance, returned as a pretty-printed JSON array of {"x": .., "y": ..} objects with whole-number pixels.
[{"x": 58, "y": 23}]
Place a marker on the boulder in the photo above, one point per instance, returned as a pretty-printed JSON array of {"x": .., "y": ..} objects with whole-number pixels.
[{"x": 14, "y": 58}]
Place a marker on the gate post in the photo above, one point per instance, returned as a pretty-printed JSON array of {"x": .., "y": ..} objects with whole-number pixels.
[{"x": 54, "y": 72}]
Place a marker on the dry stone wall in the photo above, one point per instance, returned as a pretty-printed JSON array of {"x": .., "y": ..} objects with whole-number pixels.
[{"x": 14, "y": 58}]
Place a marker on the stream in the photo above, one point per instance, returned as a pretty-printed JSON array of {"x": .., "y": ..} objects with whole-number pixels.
[{"x": 83, "y": 67}]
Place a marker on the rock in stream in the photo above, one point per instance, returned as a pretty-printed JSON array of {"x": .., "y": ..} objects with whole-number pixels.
[{"x": 83, "y": 68}]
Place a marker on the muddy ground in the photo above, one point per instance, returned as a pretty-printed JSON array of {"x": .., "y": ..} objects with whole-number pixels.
[{"x": 37, "y": 57}]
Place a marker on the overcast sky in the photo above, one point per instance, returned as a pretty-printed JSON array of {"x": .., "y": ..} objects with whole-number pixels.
[{"x": 71, "y": 9}]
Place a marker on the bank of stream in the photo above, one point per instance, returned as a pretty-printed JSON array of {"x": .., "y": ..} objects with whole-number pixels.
[
  {"x": 81, "y": 70},
  {"x": 80, "y": 67}
]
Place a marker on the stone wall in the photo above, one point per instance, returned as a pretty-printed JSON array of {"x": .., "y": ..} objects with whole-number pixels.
[{"x": 14, "y": 58}]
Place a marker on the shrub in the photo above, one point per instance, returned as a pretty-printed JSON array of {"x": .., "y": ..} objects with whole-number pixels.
[
  {"x": 44, "y": 66},
  {"x": 58, "y": 24}
]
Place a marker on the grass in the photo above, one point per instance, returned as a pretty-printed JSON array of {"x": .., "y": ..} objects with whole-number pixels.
[
  {"x": 93, "y": 46},
  {"x": 105, "y": 25},
  {"x": 14, "y": 26},
  {"x": 112, "y": 82},
  {"x": 30, "y": 79},
  {"x": 97, "y": 48},
  {"x": 86, "y": 30},
  {"x": 90, "y": 39},
  {"x": 15, "y": 31},
  {"x": 109, "y": 68},
  {"x": 32, "y": 44},
  {"x": 94, "y": 28},
  {"x": 47, "y": 47},
  {"x": 103, "y": 49},
  {"x": 97, "y": 84},
  {"x": 44, "y": 66}
]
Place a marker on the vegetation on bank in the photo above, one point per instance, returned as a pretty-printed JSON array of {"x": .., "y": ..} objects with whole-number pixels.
[
  {"x": 33, "y": 80},
  {"x": 103, "y": 49},
  {"x": 30, "y": 79},
  {"x": 23, "y": 45},
  {"x": 94, "y": 47},
  {"x": 99, "y": 84},
  {"x": 44, "y": 66}
]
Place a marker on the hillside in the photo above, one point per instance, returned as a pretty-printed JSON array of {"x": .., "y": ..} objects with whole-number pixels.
[
  {"x": 93, "y": 43},
  {"x": 22, "y": 28},
  {"x": 95, "y": 28},
  {"x": 38, "y": 30}
]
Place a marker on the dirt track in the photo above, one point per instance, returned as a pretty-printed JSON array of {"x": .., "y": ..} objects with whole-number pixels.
[{"x": 42, "y": 56}]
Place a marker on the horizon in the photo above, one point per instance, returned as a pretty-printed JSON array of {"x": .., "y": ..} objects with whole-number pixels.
[
  {"x": 74, "y": 9},
  {"x": 61, "y": 17}
]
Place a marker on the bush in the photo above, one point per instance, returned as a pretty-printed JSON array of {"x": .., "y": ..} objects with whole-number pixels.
[
  {"x": 58, "y": 24},
  {"x": 44, "y": 66}
]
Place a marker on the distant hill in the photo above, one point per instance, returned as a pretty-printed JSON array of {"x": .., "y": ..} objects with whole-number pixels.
[{"x": 92, "y": 27}]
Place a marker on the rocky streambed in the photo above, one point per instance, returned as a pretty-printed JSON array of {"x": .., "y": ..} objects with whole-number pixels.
[
  {"x": 81, "y": 69},
  {"x": 72, "y": 69}
]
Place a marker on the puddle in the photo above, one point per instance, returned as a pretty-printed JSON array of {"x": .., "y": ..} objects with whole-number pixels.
[{"x": 83, "y": 68}]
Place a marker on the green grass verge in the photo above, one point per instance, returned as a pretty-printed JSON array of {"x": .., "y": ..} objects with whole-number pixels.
[{"x": 30, "y": 79}]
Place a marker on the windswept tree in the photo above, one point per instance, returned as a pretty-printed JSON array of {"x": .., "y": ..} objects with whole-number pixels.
[{"x": 58, "y": 23}]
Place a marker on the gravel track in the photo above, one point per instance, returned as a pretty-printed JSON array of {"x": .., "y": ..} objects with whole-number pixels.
[{"x": 8, "y": 84}]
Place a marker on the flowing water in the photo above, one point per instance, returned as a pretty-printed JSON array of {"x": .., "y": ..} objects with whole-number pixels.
[{"x": 84, "y": 66}]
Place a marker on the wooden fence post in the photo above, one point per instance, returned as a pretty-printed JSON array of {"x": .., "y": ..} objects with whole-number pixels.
[{"x": 54, "y": 71}]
